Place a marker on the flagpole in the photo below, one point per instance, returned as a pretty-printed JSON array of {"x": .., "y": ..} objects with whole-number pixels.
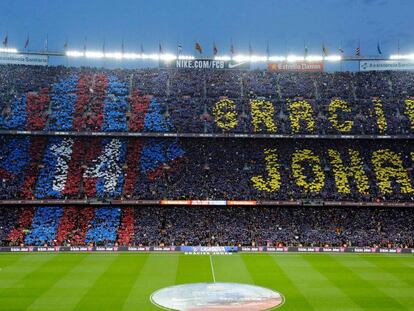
[
  {"x": 398, "y": 48},
  {"x": 103, "y": 52},
  {"x": 47, "y": 42},
  {"x": 286, "y": 48},
  {"x": 122, "y": 52},
  {"x": 359, "y": 56},
  {"x": 304, "y": 48},
  {"x": 267, "y": 50},
  {"x": 84, "y": 50},
  {"x": 231, "y": 48},
  {"x": 65, "y": 47}
]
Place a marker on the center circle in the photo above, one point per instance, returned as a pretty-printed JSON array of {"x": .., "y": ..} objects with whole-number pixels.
[{"x": 217, "y": 296}]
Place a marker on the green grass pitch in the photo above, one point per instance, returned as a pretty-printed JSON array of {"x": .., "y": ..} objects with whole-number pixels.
[{"x": 125, "y": 281}]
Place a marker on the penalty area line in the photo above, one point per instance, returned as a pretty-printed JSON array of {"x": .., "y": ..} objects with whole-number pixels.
[{"x": 212, "y": 269}]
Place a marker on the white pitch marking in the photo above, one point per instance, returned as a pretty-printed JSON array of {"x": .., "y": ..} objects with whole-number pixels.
[{"x": 212, "y": 269}]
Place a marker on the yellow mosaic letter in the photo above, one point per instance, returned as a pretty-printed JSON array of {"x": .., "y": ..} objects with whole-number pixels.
[
  {"x": 302, "y": 157},
  {"x": 262, "y": 113},
  {"x": 225, "y": 114},
  {"x": 333, "y": 107},
  {"x": 388, "y": 166},
  {"x": 271, "y": 183},
  {"x": 301, "y": 111},
  {"x": 343, "y": 173}
]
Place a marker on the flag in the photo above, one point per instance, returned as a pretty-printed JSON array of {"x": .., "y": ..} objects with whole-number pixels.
[
  {"x": 26, "y": 44},
  {"x": 232, "y": 49},
  {"x": 46, "y": 47},
  {"x": 6, "y": 41},
  {"x": 250, "y": 49},
  {"x": 142, "y": 48},
  {"x": 198, "y": 48},
  {"x": 179, "y": 49},
  {"x": 379, "y": 48},
  {"x": 65, "y": 45},
  {"x": 215, "y": 50},
  {"x": 159, "y": 48},
  {"x": 324, "y": 50},
  {"x": 85, "y": 43},
  {"x": 104, "y": 46},
  {"x": 122, "y": 47},
  {"x": 358, "y": 51},
  {"x": 306, "y": 51},
  {"x": 267, "y": 50},
  {"x": 341, "y": 50}
]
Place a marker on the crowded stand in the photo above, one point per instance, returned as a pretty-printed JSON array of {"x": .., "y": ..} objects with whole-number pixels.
[
  {"x": 239, "y": 226},
  {"x": 197, "y": 101},
  {"x": 75, "y": 142},
  {"x": 200, "y": 169}
]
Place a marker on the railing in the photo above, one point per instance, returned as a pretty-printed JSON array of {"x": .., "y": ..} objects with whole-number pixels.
[
  {"x": 121, "y": 202},
  {"x": 200, "y": 135}
]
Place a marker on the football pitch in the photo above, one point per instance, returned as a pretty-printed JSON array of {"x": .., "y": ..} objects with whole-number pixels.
[{"x": 125, "y": 281}]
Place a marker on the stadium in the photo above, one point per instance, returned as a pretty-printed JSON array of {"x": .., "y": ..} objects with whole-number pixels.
[{"x": 155, "y": 179}]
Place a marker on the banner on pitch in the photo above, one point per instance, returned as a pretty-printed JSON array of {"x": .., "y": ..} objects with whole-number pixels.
[
  {"x": 205, "y": 64},
  {"x": 296, "y": 67},
  {"x": 24, "y": 59},
  {"x": 383, "y": 65},
  {"x": 204, "y": 249}
]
